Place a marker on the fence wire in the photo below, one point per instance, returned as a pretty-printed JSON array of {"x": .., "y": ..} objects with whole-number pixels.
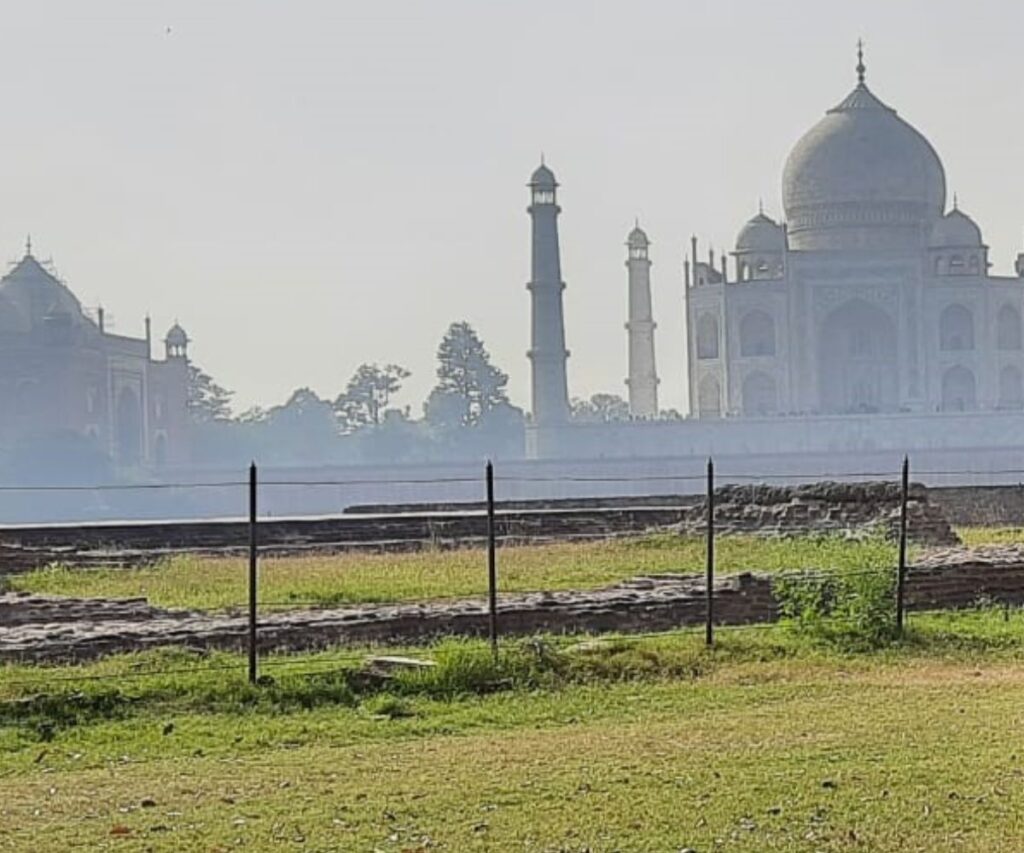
[{"x": 501, "y": 534}]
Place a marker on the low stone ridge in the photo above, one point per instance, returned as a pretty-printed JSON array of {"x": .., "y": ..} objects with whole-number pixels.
[
  {"x": 958, "y": 577},
  {"x": 825, "y": 507},
  {"x": 643, "y": 604},
  {"x": 42, "y": 628},
  {"x": 22, "y": 608}
]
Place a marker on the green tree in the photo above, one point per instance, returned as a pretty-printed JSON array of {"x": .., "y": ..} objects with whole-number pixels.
[
  {"x": 207, "y": 401},
  {"x": 365, "y": 398},
  {"x": 601, "y": 408},
  {"x": 466, "y": 377}
]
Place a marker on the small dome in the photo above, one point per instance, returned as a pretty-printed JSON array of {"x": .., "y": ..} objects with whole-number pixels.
[
  {"x": 176, "y": 336},
  {"x": 543, "y": 177},
  {"x": 955, "y": 230},
  {"x": 761, "y": 234},
  {"x": 637, "y": 239}
]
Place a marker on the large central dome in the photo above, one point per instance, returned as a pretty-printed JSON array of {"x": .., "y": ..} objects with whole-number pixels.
[{"x": 862, "y": 178}]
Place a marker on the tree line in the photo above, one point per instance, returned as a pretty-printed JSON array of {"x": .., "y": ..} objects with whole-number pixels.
[{"x": 466, "y": 415}]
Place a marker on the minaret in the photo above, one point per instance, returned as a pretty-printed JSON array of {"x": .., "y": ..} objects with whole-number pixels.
[
  {"x": 643, "y": 378},
  {"x": 547, "y": 352}
]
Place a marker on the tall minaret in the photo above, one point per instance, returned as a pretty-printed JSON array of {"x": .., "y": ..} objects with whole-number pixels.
[
  {"x": 547, "y": 352},
  {"x": 643, "y": 378}
]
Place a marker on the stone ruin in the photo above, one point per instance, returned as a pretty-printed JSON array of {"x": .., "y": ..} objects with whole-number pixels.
[
  {"x": 43, "y": 628},
  {"x": 853, "y": 509}
]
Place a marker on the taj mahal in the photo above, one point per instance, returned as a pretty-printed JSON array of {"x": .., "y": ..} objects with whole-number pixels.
[{"x": 868, "y": 318}]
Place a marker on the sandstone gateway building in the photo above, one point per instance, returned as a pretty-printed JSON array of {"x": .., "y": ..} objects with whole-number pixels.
[
  {"x": 872, "y": 306},
  {"x": 66, "y": 378}
]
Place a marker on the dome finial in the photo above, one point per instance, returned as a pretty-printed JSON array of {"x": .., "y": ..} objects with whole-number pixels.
[
  {"x": 860, "y": 62},
  {"x": 760, "y": 206},
  {"x": 28, "y": 246},
  {"x": 956, "y": 202}
]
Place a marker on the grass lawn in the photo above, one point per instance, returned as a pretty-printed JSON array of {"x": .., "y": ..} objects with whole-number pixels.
[
  {"x": 766, "y": 743},
  {"x": 204, "y": 583}
]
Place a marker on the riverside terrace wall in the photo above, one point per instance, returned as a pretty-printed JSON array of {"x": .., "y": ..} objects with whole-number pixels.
[
  {"x": 962, "y": 506},
  {"x": 40, "y": 628}
]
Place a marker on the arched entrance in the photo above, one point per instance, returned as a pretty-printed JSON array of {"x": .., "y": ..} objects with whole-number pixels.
[
  {"x": 709, "y": 398},
  {"x": 759, "y": 395},
  {"x": 757, "y": 334},
  {"x": 857, "y": 365},
  {"x": 707, "y": 336},
  {"x": 1008, "y": 335},
  {"x": 1011, "y": 389},
  {"x": 958, "y": 394},
  {"x": 129, "y": 427},
  {"x": 160, "y": 451}
]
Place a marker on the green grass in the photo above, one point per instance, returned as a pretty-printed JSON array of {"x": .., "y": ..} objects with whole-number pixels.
[
  {"x": 647, "y": 744},
  {"x": 212, "y": 584},
  {"x": 974, "y": 536}
]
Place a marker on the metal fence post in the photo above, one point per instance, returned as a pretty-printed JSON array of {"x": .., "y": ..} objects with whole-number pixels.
[
  {"x": 709, "y": 636},
  {"x": 253, "y": 543},
  {"x": 492, "y": 563},
  {"x": 901, "y": 569}
]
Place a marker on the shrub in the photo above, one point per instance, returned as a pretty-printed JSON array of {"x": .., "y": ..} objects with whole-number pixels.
[{"x": 852, "y": 610}]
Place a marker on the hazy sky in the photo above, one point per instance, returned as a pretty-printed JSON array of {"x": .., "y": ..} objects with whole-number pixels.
[{"x": 312, "y": 184}]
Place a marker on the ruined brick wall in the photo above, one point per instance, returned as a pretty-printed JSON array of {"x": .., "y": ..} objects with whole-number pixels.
[
  {"x": 980, "y": 506},
  {"x": 43, "y": 628},
  {"x": 827, "y": 507}
]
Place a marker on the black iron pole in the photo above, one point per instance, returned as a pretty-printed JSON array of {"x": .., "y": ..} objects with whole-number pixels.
[
  {"x": 492, "y": 563},
  {"x": 901, "y": 571},
  {"x": 709, "y": 635},
  {"x": 253, "y": 543}
]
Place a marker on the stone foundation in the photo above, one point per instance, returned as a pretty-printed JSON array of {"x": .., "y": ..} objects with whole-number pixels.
[{"x": 40, "y": 628}]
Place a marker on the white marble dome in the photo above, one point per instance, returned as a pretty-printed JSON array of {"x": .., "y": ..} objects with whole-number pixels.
[
  {"x": 862, "y": 178},
  {"x": 955, "y": 230},
  {"x": 761, "y": 234}
]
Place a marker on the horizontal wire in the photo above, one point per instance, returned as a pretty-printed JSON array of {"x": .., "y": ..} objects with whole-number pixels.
[
  {"x": 597, "y": 479},
  {"x": 122, "y": 487},
  {"x": 373, "y": 482},
  {"x": 570, "y": 478}
]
